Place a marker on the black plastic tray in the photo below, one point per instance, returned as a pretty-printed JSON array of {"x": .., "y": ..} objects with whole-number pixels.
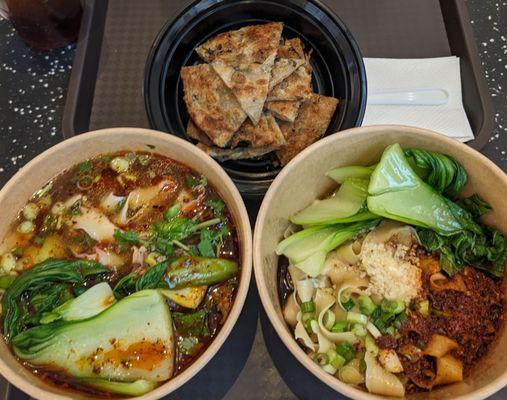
[{"x": 105, "y": 90}]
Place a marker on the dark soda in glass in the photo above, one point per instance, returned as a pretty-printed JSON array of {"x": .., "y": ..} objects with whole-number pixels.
[{"x": 45, "y": 24}]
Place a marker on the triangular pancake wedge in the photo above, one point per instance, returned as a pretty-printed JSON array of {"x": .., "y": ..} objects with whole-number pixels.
[
  {"x": 266, "y": 133},
  {"x": 211, "y": 105},
  {"x": 284, "y": 110},
  {"x": 283, "y": 68},
  {"x": 244, "y": 59},
  {"x": 312, "y": 122},
  {"x": 298, "y": 86},
  {"x": 250, "y": 85}
]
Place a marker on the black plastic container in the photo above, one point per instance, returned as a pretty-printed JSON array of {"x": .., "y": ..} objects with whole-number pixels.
[{"x": 338, "y": 68}]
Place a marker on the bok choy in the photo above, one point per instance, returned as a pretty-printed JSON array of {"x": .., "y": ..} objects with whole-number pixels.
[
  {"x": 131, "y": 340},
  {"x": 441, "y": 172},
  {"x": 308, "y": 248},
  {"x": 90, "y": 303},
  {"x": 41, "y": 289},
  {"x": 136, "y": 388},
  {"x": 397, "y": 192},
  {"x": 341, "y": 174},
  {"x": 346, "y": 205}
]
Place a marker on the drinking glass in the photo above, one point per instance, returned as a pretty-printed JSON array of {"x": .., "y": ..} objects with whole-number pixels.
[{"x": 44, "y": 24}]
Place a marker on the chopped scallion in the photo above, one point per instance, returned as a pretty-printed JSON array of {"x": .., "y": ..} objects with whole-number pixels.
[
  {"x": 119, "y": 164},
  {"x": 392, "y": 306},
  {"x": 5, "y": 281},
  {"x": 380, "y": 325},
  {"x": 30, "y": 211},
  {"x": 26, "y": 227},
  {"x": 329, "y": 369},
  {"x": 340, "y": 326},
  {"x": 307, "y": 316},
  {"x": 366, "y": 305},
  {"x": 424, "y": 307},
  {"x": 356, "y": 318},
  {"x": 359, "y": 330},
  {"x": 58, "y": 208},
  {"x": 308, "y": 306},
  {"x": 346, "y": 350},
  {"x": 349, "y": 304},
  {"x": 311, "y": 325},
  {"x": 321, "y": 359},
  {"x": 335, "y": 360},
  {"x": 8, "y": 262},
  {"x": 400, "y": 319},
  {"x": 328, "y": 319}
]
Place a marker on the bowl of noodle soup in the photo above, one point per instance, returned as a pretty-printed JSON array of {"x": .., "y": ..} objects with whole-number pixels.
[
  {"x": 98, "y": 229},
  {"x": 399, "y": 310}
]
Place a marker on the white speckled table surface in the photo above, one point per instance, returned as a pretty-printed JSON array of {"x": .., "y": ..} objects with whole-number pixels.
[{"x": 32, "y": 95}]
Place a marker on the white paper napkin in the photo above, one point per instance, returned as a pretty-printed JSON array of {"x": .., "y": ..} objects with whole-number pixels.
[{"x": 437, "y": 73}]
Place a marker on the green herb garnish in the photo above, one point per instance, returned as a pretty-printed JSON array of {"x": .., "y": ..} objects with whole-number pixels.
[
  {"x": 126, "y": 238},
  {"x": 84, "y": 167}
]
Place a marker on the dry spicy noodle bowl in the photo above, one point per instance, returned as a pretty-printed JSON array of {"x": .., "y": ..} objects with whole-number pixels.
[
  {"x": 135, "y": 246},
  {"x": 393, "y": 284}
]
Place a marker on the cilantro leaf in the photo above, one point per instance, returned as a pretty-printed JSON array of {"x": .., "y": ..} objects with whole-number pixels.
[
  {"x": 216, "y": 204},
  {"x": 205, "y": 246},
  {"x": 190, "y": 181},
  {"x": 126, "y": 238},
  {"x": 194, "y": 324},
  {"x": 84, "y": 167},
  {"x": 187, "y": 345}
]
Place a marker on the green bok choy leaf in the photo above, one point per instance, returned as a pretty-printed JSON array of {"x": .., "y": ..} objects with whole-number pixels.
[
  {"x": 340, "y": 174},
  {"x": 129, "y": 341},
  {"x": 308, "y": 248},
  {"x": 90, "y": 303},
  {"x": 42, "y": 288},
  {"x": 346, "y": 205},
  {"x": 443, "y": 173},
  {"x": 397, "y": 192}
]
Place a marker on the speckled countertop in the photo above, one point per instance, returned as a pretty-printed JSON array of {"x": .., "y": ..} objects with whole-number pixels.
[{"x": 32, "y": 96}]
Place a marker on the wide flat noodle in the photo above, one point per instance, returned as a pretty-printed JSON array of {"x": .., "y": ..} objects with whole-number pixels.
[
  {"x": 291, "y": 309},
  {"x": 211, "y": 105},
  {"x": 312, "y": 122},
  {"x": 265, "y": 134},
  {"x": 335, "y": 337},
  {"x": 301, "y": 333},
  {"x": 380, "y": 381},
  {"x": 284, "y": 110},
  {"x": 394, "y": 231},
  {"x": 244, "y": 60}
]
